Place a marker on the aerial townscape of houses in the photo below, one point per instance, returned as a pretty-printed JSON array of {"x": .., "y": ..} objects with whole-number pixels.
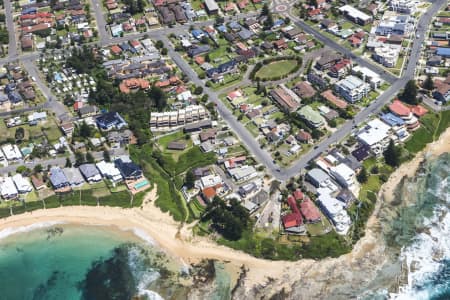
[{"x": 213, "y": 101}]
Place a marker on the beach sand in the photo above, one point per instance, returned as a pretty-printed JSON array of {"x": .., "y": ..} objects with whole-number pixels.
[{"x": 179, "y": 242}]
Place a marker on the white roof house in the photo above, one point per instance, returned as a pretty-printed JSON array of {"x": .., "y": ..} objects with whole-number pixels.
[
  {"x": 343, "y": 174},
  {"x": 23, "y": 185},
  {"x": 334, "y": 209},
  {"x": 210, "y": 181},
  {"x": 403, "y": 6},
  {"x": 352, "y": 89},
  {"x": 369, "y": 75},
  {"x": 243, "y": 173},
  {"x": 108, "y": 170},
  {"x": 74, "y": 176},
  {"x": 375, "y": 135},
  {"x": 355, "y": 14},
  {"x": 7, "y": 188},
  {"x": 37, "y": 116},
  {"x": 12, "y": 152},
  {"x": 387, "y": 54}
]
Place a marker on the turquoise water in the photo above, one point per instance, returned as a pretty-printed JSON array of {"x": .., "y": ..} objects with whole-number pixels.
[
  {"x": 51, "y": 263},
  {"x": 61, "y": 261}
]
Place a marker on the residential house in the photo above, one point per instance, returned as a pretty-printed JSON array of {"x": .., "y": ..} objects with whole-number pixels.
[
  {"x": 109, "y": 171},
  {"x": 309, "y": 211},
  {"x": 22, "y": 184},
  {"x": 332, "y": 99},
  {"x": 340, "y": 69},
  {"x": 303, "y": 136},
  {"x": 327, "y": 60},
  {"x": 284, "y": 99},
  {"x": 343, "y": 174},
  {"x": 110, "y": 120},
  {"x": 8, "y": 190},
  {"x": 211, "y": 7},
  {"x": 58, "y": 178},
  {"x": 74, "y": 177},
  {"x": 404, "y": 112},
  {"x": 312, "y": 117},
  {"x": 12, "y": 152},
  {"x": 128, "y": 169},
  {"x": 352, "y": 88},
  {"x": 90, "y": 173},
  {"x": 376, "y": 135},
  {"x": 334, "y": 210},
  {"x": 355, "y": 15}
]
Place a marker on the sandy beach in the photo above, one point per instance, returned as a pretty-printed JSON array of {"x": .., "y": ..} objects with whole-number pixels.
[{"x": 179, "y": 242}]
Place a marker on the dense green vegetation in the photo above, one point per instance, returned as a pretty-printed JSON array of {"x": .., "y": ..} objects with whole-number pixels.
[{"x": 328, "y": 245}]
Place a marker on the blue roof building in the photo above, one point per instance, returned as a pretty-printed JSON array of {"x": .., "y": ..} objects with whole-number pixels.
[
  {"x": 57, "y": 178},
  {"x": 110, "y": 120},
  {"x": 222, "y": 28},
  {"x": 15, "y": 97},
  {"x": 445, "y": 52},
  {"x": 128, "y": 169},
  {"x": 392, "y": 120},
  {"x": 198, "y": 34}
]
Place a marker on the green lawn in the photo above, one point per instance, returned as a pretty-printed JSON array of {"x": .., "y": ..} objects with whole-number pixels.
[
  {"x": 276, "y": 69},
  {"x": 176, "y": 136}
]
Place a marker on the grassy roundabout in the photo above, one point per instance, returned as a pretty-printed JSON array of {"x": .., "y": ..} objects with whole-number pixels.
[{"x": 275, "y": 69}]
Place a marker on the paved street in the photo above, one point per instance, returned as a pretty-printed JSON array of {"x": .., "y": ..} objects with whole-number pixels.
[
  {"x": 57, "y": 107},
  {"x": 12, "y": 47},
  {"x": 261, "y": 155}
]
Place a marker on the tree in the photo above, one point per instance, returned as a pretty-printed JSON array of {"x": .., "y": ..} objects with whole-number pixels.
[
  {"x": 38, "y": 168},
  {"x": 68, "y": 163},
  {"x": 392, "y": 155},
  {"x": 198, "y": 90},
  {"x": 189, "y": 179},
  {"x": 79, "y": 158},
  {"x": 90, "y": 158},
  {"x": 265, "y": 10},
  {"x": 159, "y": 44},
  {"x": 362, "y": 175},
  {"x": 207, "y": 58},
  {"x": 85, "y": 130},
  {"x": 159, "y": 97},
  {"x": 20, "y": 134},
  {"x": 409, "y": 94},
  {"x": 21, "y": 169},
  {"x": 428, "y": 84},
  {"x": 106, "y": 156},
  {"x": 164, "y": 51}
]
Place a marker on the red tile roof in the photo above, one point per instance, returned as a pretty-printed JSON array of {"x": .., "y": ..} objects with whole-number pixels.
[
  {"x": 298, "y": 195},
  {"x": 116, "y": 49},
  {"x": 309, "y": 210},
  {"x": 330, "y": 97},
  {"x": 419, "y": 110},
  {"x": 77, "y": 105},
  {"x": 292, "y": 220},
  {"x": 400, "y": 109}
]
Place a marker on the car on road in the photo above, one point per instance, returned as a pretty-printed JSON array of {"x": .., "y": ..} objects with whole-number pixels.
[{"x": 316, "y": 146}]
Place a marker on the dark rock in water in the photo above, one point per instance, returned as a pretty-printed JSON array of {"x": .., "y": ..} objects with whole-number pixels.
[
  {"x": 203, "y": 272},
  {"x": 110, "y": 279},
  {"x": 40, "y": 293},
  {"x": 54, "y": 231}
]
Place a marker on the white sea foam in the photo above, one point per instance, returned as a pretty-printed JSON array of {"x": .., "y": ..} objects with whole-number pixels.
[
  {"x": 143, "y": 236},
  {"x": 14, "y": 230},
  {"x": 424, "y": 257},
  {"x": 151, "y": 295}
]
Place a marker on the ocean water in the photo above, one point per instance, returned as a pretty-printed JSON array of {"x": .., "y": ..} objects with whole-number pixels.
[
  {"x": 60, "y": 261},
  {"x": 417, "y": 234}
]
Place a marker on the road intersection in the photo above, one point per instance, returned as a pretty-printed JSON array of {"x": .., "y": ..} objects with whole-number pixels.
[{"x": 261, "y": 155}]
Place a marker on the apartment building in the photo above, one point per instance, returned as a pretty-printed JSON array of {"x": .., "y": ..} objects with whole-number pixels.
[{"x": 352, "y": 89}]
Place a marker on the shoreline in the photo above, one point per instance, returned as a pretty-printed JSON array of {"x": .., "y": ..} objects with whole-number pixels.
[{"x": 179, "y": 242}]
